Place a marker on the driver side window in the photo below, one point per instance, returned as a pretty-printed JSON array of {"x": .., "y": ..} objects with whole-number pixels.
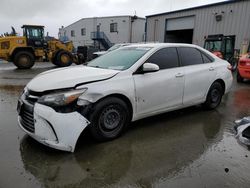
[{"x": 165, "y": 58}]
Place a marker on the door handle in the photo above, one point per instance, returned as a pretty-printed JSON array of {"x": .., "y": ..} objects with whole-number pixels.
[
  {"x": 179, "y": 75},
  {"x": 211, "y": 69}
]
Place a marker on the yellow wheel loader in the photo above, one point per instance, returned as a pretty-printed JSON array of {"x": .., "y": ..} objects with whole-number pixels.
[{"x": 24, "y": 50}]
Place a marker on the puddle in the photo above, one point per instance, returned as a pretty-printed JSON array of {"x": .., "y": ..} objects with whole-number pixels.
[{"x": 184, "y": 148}]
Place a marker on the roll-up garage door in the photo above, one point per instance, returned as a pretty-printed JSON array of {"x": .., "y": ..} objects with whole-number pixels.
[
  {"x": 180, "y": 30},
  {"x": 180, "y": 23}
]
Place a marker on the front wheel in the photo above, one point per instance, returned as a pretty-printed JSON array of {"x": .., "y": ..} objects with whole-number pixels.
[
  {"x": 24, "y": 60},
  {"x": 109, "y": 119},
  {"x": 214, "y": 96}
]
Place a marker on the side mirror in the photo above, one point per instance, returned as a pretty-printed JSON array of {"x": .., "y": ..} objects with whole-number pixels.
[{"x": 150, "y": 67}]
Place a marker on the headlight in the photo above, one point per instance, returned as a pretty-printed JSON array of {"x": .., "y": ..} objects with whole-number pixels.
[
  {"x": 24, "y": 92},
  {"x": 61, "y": 98}
]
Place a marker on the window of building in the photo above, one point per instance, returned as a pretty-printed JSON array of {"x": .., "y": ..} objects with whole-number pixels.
[
  {"x": 113, "y": 27},
  {"x": 190, "y": 56},
  {"x": 72, "y": 33},
  {"x": 83, "y": 31},
  {"x": 165, "y": 58}
]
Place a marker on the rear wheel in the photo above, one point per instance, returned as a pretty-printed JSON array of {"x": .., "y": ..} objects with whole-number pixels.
[
  {"x": 63, "y": 59},
  {"x": 24, "y": 60},
  {"x": 239, "y": 78},
  {"x": 109, "y": 118},
  {"x": 214, "y": 96}
]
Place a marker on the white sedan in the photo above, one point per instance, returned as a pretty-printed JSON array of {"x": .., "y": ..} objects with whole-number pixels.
[{"x": 125, "y": 85}]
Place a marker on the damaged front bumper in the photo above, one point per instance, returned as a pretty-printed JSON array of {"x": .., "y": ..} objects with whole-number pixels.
[{"x": 56, "y": 130}]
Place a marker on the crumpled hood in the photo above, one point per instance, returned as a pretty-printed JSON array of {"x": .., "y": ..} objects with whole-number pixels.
[{"x": 68, "y": 77}]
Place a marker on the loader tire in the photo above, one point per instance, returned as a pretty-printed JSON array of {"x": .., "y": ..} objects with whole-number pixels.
[
  {"x": 63, "y": 59},
  {"x": 53, "y": 61},
  {"x": 24, "y": 60}
]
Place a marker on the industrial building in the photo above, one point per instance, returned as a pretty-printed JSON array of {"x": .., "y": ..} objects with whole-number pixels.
[
  {"x": 194, "y": 25},
  {"x": 104, "y": 31}
]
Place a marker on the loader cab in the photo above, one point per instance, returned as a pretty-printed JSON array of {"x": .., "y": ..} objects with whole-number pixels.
[
  {"x": 34, "y": 35},
  {"x": 222, "y": 45}
]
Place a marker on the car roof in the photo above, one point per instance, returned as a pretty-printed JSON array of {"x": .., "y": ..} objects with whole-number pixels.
[
  {"x": 162, "y": 45},
  {"x": 157, "y": 45}
]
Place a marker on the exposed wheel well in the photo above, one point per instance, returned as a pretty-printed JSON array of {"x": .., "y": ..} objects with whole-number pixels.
[
  {"x": 222, "y": 84},
  {"x": 26, "y": 49},
  {"x": 124, "y": 98}
]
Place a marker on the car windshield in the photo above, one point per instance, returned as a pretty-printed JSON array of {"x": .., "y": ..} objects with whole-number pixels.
[
  {"x": 116, "y": 46},
  {"x": 120, "y": 59}
]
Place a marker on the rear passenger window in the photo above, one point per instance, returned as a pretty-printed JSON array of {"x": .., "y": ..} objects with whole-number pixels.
[
  {"x": 205, "y": 58},
  {"x": 165, "y": 58},
  {"x": 190, "y": 56}
]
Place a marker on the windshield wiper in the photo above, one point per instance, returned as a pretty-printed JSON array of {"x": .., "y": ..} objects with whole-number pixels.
[{"x": 96, "y": 66}]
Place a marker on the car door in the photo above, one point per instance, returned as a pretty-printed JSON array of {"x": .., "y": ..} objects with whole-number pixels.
[
  {"x": 199, "y": 73},
  {"x": 161, "y": 90}
]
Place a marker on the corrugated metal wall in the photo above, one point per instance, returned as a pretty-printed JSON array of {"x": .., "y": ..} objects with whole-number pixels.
[{"x": 235, "y": 21}]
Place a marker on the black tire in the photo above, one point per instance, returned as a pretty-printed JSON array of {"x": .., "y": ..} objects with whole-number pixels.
[
  {"x": 24, "y": 60},
  {"x": 53, "y": 61},
  {"x": 80, "y": 59},
  {"x": 54, "y": 58},
  {"x": 239, "y": 78},
  {"x": 214, "y": 96},
  {"x": 109, "y": 118},
  {"x": 63, "y": 59}
]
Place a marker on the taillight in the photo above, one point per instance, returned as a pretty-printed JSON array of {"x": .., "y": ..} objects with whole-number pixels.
[{"x": 242, "y": 63}]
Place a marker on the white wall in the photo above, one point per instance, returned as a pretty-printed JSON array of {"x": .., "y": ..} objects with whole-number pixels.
[
  {"x": 138, "y": 30},
  {"x": 79, "y": 40},
  {"x": 124, "y": 34}
]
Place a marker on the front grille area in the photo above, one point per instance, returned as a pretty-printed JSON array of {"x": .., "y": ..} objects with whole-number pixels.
[
  {"x": 26, "y": 111},
  {"x": 27, "y": 119}
]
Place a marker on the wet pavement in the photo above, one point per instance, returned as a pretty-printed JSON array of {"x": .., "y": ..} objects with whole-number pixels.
[{"x": 184, "y": 148}]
